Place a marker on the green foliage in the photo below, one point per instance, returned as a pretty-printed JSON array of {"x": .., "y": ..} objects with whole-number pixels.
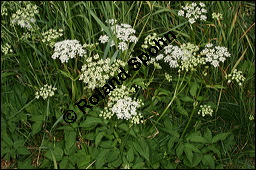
[{"x": 173, "y": 135}]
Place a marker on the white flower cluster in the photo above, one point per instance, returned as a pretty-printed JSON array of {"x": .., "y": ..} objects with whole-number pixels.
[
  {"x": 216, "y": 54},
  {"x": 45, "y": 91},
  {"x": 64, "y": 50},
  {"x": 25, "y": 16},
  {"x": 193, "y": 12},
  {"x": 95, "y": 73},
  {"x": 51, "y": 35},
  {"x": 217, "y": 16},
  {"x": 192, "y": 60},
  {"x": 168, "y": 77},
  {"x": 4, "y": 11},
  {"x": 148, "y": 41},
  {"x": 237, "y": 76},
  {"x": 184, "y": 57},
  {"x": 6, "y": 48},
  {"x": 171, "y": 55},
  {"x": 123, "y": 106},
  {"x": 26, "y": 36},
  {"x": 90, "y": 46},
  {"x": 124, "y": 33},
  {"x": 205, "y": 110}
]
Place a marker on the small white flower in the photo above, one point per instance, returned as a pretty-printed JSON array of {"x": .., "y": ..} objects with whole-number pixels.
[
  {"x": 193, "y": 12},
  {"x": 217, "y": 16},
  {"x": 45, "y": 92},
  {"x": 64, "y": 50},
  {"x": 205, "y": 110},
  {"x": 103, "y": 39}
]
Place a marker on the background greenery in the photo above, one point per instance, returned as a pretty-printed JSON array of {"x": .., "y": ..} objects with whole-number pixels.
[{"x": 33, "y": 134}]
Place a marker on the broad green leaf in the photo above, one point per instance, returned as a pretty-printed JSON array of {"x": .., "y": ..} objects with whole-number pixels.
[
  {"x": 144, "y": 152},
  {"x": 130, "y": 155},
  {"x": 193, "y": 89},
  {"x": 198, "y": 139},
  {"x": 70, "y": 139},
  {"x": 101, "y": 158},
  {"x": 180, "y": 150},
  {"x": 84, "y": 161},
  {"x": 208, "y": 135},
  {"x": 215, "y": 150},
  {"x": 23, "y": 151},
  {"x": 113, "y": 155},
  {"x": 197, "y": 159},
  {"x": 98, "y": 138},
  {"x": 181, "y": 110},
  {"x": 90, "y": 121},
  {"x": 208, "y": 160},
  {"x": 186, "y": 99},
  {"x": 37, "y": 118},
  {"x": 36, "y": 127},
  {"x": 171, "y": 143},
  {"x": 192, "y": 147},
  {"x": 220, "y": 136},
  {"x": 189, "y": 154},
  {"x": 64, "y": 163}
]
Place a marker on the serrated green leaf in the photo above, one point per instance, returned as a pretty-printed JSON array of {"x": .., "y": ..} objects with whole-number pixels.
[
  {"x": 37, "y": 118},
  {"x": 101, "y": 158},
  {"x": 193, "y": 89},
  {"x": 220, "y": 136},
  {"x": 180, "y": 150},
  {"x": 113, "y": 155},
  {"x": 23, "y": 151},
  {"x": 90, "y": 121},
  {"x": 70, "y": 139},
  {"x": 84, "y": 161},
  {"x": 181, "y": 110},
  {"x": 189, "y": 154},
  {"x": 64, "y": 163},
  {"x": 98, "y": 138},
  {"x": 208, "y": 135},
  {"x": 192, "y": 147},
  {"x": 130, "y": 155},
  {"x": 186, "y": 99},
  {"x": 198, "y": 139},
  {"x": 142, "y": 148},
  {"x": 36, "y": 127},
  {"x": 208, "y": 160}
]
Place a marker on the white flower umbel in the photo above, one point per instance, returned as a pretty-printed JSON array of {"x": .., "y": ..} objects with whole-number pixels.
[
  {"x": 168, "y": 77},
  {"x": 193, "y": 12},
  {"x": 25, "y": 17},
  {"x": 215, "y": 54},
  {"x": 148, "y": 41},
  {"x": 124, "y": 34},
  {"x": 97, "y": 71},
  {"x": 6, "y": 49},
  {"x": 217, "y": 16},
  {"x": 45, "y": 92},
  {"x": 68, "y": 49},
  {"x": 205, "y": 110},
  {"x": 123, "y": 106},
  {"x": 237, "y": 76},
  {"x": 51, "y": 35},
  {"x": 192, "y": 60}
]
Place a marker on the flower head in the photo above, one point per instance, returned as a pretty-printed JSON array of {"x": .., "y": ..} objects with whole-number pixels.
[
  {"x": 205, "y": 110},
  {"x": 193, "y": 12},
  {"x": 67, "y": 49},
  {"x": 25, "y": 16},
  {"x": 45, "y": 91},
  {"x": 215, "y": 54}
]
